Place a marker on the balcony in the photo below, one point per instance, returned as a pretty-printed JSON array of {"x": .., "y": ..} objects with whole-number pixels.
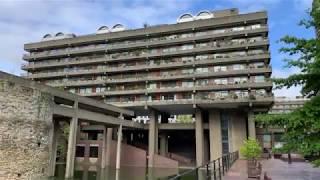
[
  {"x": 105, "y": 48},
  {"x": 216, "y": 87},
  {"x": 210, "y": 60},
  {"x": 251, "y": 71},
  {"x": 263, "y": 100}
]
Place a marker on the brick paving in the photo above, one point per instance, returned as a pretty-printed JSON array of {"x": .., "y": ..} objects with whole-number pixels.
[{"x": 277, "y": 170}]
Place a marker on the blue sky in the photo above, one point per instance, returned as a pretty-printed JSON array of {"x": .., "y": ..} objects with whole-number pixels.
[{"x": 23, "y": 21}]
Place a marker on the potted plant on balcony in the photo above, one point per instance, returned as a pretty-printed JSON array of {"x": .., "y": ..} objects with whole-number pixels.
[{"x": 251, "y": 150}]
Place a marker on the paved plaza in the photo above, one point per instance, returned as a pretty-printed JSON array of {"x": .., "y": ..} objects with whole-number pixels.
[{"x": 277, "y": 170}]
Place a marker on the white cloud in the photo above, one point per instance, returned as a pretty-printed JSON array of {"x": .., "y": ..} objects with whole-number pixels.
[{"x": 283, "y": 73}]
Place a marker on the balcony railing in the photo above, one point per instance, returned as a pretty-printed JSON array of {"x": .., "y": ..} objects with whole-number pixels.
[{"x": 268, "y": 97}]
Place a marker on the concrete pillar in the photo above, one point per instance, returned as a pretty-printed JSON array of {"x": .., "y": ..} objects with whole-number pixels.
[
  {"x": 238, "y": 130},
  {"x": 199, "y": 138},
  {"x": 215, "y": 135},
  {"x": 163, "y": 145},
  {"x": 72, "y": 144},
  {"x": 71, "y": 148},
  {"x": 53, "y": 154},
  {"x": 104, "y": 148},
  {"x": 108, "y": 146},
  {"x": 251, "y": 125},
  {"x": 153, "y": 136},
  {"x": 118, "y": 157}
]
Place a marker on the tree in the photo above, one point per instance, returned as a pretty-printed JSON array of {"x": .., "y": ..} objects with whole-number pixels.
[{"x": 302, "y": 125}]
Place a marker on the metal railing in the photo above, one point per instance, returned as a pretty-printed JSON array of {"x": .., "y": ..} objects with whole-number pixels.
[{"x": 213, "y": 170}]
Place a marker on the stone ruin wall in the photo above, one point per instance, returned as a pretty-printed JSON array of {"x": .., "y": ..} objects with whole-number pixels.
[{"x": 25, "y": 126}]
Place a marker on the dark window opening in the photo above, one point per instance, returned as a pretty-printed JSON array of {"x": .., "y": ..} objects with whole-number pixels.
[
  {"x": 80, "y": 151},
  {"x": 94, "y": 151}
]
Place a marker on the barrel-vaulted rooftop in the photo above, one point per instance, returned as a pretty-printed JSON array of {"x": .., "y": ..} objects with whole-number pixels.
[{"x": 151, "y": 31}]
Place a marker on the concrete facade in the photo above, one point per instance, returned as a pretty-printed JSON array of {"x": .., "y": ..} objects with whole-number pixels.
[{"x": 214, "y": 68}]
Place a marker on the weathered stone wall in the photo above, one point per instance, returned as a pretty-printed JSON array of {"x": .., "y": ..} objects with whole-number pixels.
[{"x": 25, "y": 125}]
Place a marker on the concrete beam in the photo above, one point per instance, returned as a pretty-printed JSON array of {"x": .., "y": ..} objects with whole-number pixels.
[{"x": 94, "y": 117}]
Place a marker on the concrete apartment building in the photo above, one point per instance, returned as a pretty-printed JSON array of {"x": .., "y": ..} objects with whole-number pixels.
[
  {"x": 271, "y": 137},
  {"x": 214, "y": 65}
]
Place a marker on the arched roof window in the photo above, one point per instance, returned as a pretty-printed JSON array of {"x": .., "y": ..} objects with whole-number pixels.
[
  {"x": 204, "y": 15},
  {"x": 185, "y": 18},
  {"x": 117, "y": 27},
  {"x": 47, "y": 36},
  {"x": 59, "y": 34},
  {"x": 103, "y": 29}
]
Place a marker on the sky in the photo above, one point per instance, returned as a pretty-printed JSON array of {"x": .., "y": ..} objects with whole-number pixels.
[{"x": 24, "y": 21}]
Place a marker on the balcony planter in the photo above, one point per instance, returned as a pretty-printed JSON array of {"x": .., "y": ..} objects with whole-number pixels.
[{"x": 251, "y": 150}]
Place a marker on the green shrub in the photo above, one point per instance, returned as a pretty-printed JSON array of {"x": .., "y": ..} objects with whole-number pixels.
[{"x": 251, "y": 149}]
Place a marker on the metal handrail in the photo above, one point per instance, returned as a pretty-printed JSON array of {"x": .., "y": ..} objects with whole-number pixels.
[{"x": 216, "y": 168}]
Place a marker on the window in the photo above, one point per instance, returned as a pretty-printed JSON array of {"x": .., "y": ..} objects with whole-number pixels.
[
  {"x": 224, "y": 120},
  {"x": 238, "y": 67},
  {"x": 94, "y": 151},
  {"x": 202, "y": 70},
  {"x": 80, "y": 151},
  {"x": 256, "y": 26},
  {"x": 238, "y": 28},
  {"x": 152, "y": 86},
  {"x": 220, "y": 68},
  {"x": 259, "y": 79},
  {"x": 201, "y": 57},
  {"x": 187, "y": 47}
]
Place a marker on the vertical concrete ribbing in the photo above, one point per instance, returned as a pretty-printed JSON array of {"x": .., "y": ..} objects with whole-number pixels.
[
  {"x": 215, "y": 135},
  {"x": 199, "y": 137},
  {"x": 152, "y": 137},
  {"x": 251, "y": 125}
]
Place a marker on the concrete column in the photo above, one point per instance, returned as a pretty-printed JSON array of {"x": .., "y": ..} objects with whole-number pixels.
[
  {"x": 153, "y": 136},
  {"x": 118, "y": 158},
  {"x": 53, "y": 154},
  {"x": 199, "y": 138},
  {"x": 215, "y": 135},
  {"x": 251, "y": 125},
  {"x": 72, "y": 144},
  {"x": 103, "y": 148},
  {"x": 108, "y": 146},
  {"x": 238, "y": 129},
  {"x": 163, "y": 145},
  {"x": 71, "y": 147}
]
